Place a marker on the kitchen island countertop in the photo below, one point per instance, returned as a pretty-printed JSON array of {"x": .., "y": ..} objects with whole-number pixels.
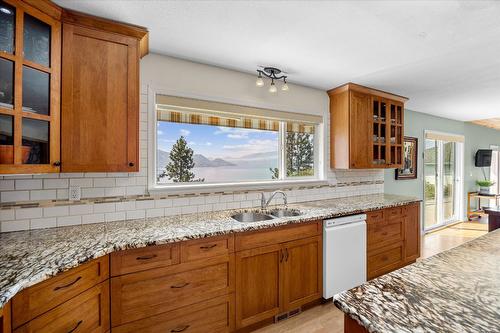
[{"x": 454, "y": 291}]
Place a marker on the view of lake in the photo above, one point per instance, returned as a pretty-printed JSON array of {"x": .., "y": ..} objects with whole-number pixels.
[{"x": 229, "y": 173}]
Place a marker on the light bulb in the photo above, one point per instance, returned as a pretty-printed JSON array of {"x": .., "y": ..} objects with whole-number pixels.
[
  {"x": 259, "y": 82},
  {"x": 285, "y": 87},
  {"x": 272, "y": 88}
]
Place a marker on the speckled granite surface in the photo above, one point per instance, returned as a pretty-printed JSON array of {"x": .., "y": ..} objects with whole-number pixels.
[
  {"x": 29, "y": 257},
  {"x": 454, "y": 291}
]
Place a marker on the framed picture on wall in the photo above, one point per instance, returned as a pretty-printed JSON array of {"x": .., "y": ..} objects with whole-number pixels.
[{"x": 410, "y": 161}]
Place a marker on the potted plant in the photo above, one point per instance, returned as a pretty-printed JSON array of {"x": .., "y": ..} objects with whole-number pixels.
[{"x": 484, "y": 186}]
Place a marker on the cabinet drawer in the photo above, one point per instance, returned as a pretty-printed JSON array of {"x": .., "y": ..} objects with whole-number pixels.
[
  {"x": 145, "y": 294},
  {"x": 380, "y": 234},
  {"x": 395, "y": 212},
  {"x": 385, "y": 259},
  {"x": 215, "y": 315},
  {"x": 375, "y": 216},
  {"x": 87, "y": 312},
  {"x": 251, "y": 240},
  {"x": 46, "y": 295},
  {"x": 135, "y": 260},
  {"x": 207, "y": 248}
]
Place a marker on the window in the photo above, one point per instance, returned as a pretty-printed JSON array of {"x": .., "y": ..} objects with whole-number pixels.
[{"x": 200, "y": 142}]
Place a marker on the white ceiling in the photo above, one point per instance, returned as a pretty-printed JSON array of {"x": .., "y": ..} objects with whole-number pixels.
[{"x": 443, "y": 55}]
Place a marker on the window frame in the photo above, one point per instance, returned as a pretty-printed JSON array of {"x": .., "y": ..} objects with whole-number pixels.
[{"x": 154, "y": 187}]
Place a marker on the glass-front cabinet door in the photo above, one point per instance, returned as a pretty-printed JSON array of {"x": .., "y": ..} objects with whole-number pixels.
[{"x": 30, "y": 48}]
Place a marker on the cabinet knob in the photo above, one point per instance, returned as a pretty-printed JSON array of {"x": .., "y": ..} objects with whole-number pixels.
[
  {"x": 131, "y": 164},
  {"x": 57, "y": 163}
]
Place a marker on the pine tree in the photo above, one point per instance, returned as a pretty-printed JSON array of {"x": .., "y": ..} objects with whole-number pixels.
[
  {"x": 181, "y": 163},
  {"x": 299, "y": 154}
]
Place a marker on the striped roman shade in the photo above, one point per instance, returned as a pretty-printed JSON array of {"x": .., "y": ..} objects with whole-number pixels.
[{"x": 193, "y": 111}]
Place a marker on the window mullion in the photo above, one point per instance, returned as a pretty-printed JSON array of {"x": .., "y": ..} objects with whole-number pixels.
[{"x": 281, "y": 157}]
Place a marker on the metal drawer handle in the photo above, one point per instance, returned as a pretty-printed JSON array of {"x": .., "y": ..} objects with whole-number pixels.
[
  {"x": 178, "y": 286},
  {"x": 77, "y": 325},
  {"x": 286, "y": 254},
  {"x": 177, "y": 330},
  {"x": 208, "y": 247},
  {"x": 147, "y": 257},
  {"x": 68, "y": 285}
]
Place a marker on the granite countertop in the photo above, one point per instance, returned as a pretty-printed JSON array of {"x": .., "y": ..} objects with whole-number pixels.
[
  {"x": 29, "y": 257},
  {"x": 454, "y": 291}
]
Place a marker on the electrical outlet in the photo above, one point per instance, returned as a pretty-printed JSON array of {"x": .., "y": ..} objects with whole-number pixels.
[{"x": 75, "y": 193}]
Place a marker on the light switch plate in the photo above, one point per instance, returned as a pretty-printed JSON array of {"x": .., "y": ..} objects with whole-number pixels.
[{"x": 75, "y": 193}]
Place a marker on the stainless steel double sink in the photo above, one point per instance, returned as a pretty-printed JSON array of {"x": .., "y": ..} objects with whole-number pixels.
[{"x": 261, "y": 216}]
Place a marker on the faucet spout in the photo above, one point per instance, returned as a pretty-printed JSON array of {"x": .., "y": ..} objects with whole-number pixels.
[{"x": 265, "y": 203}]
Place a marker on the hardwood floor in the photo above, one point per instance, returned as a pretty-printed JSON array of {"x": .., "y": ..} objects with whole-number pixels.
[{"x": 327, "y": 318}]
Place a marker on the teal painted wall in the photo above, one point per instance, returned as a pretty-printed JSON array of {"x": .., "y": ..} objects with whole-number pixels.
[{"x": 476, "y": 137}]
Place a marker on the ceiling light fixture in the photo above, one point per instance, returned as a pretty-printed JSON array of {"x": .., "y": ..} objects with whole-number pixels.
[{"x": 274, "y": 74}]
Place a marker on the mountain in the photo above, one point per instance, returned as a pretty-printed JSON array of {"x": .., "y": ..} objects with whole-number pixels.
[
  {"x": 258, "y": 156},
  {"x": 200, "y": 161}
]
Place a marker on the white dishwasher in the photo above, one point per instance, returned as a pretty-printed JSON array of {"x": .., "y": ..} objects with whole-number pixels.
[{"x": 344, "y": 253}]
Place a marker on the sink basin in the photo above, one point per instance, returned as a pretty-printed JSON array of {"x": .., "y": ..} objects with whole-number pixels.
[
  {"x": 285, "y": 212},
  {"x": 251, "y": 217}
]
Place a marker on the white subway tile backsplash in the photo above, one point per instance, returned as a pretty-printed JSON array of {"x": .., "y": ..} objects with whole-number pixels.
[
  {"x": 55, "y": 183},
  {"x": 107, "y": 207},
  {"x": 82, "y": 182},
  {"x": 56, "y": 211},
  {"x": 104, "y": 182},
  {"x": 118, "y": 216},
  {"x": 13, "y": 196},
  {"x": 144, "y": 204},
  {"x": 92, "y": 192},
  {"x": 16, "y": 225},
  {"x": 93, "y": 218},
  {"x": 126, "y": 205},
  {"x": 155, "y": 212},
  {"x": 136, "y": 214},
  {"x": 28, "y": 184},
  {"x": 46, "y": 222},
  {"x": 81, "y": 209},
  {"x": 28, "y": 213},
  {"x": 163, "y": 203},
  {"x": 7, "y": 215},
  {"x": 7, "y": 185},
  {"x": 69, "y": 220},
  {"x": 38, "y": 195}
]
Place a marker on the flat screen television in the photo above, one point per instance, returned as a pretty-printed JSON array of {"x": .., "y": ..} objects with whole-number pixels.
[{"x": 483, "y": 158}]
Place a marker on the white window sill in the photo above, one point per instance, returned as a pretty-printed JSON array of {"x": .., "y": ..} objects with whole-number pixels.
[{"x": 234, "y": 187}]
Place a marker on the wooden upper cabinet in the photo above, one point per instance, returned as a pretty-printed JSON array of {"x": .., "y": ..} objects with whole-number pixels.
[
  {"x": 30, "y": 52},
  {"x": 100, "y": 101},
  {"x": 366, "y": 128}
]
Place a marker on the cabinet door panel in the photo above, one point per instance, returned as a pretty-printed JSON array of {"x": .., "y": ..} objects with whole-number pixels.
[
  {"x": 303, "y": 272},
  {"x": 258, "y": 273},
  {"x": 359, "y": 146},
  {"x": 100, "y": 104},
  {"x": 412, "y": 233}
]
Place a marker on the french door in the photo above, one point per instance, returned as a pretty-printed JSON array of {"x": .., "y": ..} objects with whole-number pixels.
[
  {"x": 495, "y": 171},
  {"x": 443, "y": 163}
]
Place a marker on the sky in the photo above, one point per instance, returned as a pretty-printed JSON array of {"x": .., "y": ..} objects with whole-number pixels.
[{"x": 216, "y": 141}]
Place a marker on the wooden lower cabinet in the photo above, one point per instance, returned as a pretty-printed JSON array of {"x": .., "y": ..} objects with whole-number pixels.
[
  {"x": 215, "y": 315},
  {"x": 258, "y": 282},
  {"x": 87, "y": 312},
  {"x": 148, "y": 293},
  {"x": 275, "y": 279},
  {"x": 393, "y": 239},
  {"x": 302, "y": 278}
]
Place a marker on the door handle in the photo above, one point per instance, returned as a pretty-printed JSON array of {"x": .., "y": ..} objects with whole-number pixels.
[{"x": 77, "y": 325}]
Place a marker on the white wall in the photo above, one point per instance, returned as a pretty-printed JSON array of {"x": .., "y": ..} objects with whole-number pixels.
[{"x": 181, "y": 78}]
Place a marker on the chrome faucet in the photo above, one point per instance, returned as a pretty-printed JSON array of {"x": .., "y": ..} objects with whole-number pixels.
[{"x": 264, "y": 203}]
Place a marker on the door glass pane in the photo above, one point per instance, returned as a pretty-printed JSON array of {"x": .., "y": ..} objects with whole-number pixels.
[
  {"x": 449, "y": 180},
  {"x": 7, "y": 27},
  {"x": 36, "y": 141},
  {"x": 6, "y": 83},
  {"x": 430, "y": 179},
  {"x": 36, "y": 40},
  {"x": 36, "y": 86},
  {"x": 6, "y": 139}
]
